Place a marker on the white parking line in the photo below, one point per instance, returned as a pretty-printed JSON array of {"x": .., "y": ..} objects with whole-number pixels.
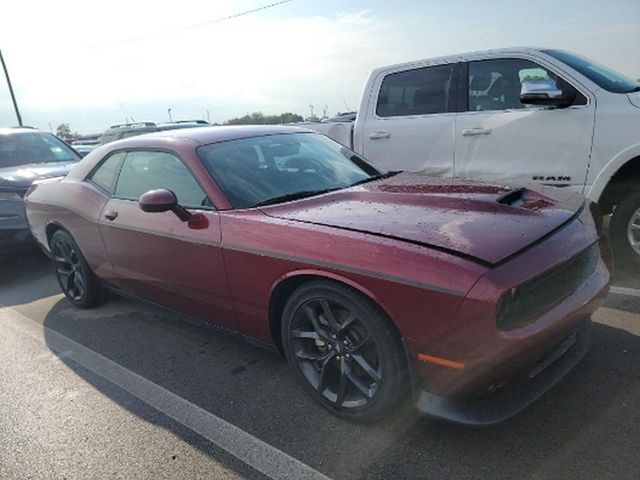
[
  {"x": 632, "y": 292},
  {"x": 263, "y": 457}
]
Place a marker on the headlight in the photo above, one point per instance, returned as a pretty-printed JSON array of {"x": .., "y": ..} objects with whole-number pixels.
[
  {"x": 9, "y": 196},
  {"x": 524, "y": 303}
]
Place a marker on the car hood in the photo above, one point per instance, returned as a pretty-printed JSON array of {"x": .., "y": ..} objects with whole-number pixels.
[
  {"x": 22, "y": 176},
  {"x": 460, "y": 217}
]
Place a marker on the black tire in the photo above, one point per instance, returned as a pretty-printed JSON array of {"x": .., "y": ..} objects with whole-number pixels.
[
  {"x": 627, "y": 213},
  {"x": 345, "y": 351},
  {"x": 77, "y": 281}
]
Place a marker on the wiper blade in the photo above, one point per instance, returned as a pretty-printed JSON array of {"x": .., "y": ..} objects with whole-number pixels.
[
  {"x": 375, "y": 177},
  {"x": 310, "y": 193},
  {"x": 292, "y": 196}
]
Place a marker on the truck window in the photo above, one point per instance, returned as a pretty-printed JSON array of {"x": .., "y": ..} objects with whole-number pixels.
[
  {"x": 496, "y": 84},
  {"x": 415, "y": 92}
]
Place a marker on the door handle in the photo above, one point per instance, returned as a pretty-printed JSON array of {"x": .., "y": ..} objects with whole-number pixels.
[
  {"x": 111, "y": 215},
  {"x": 468, "y": 132},
  {"x": 379, "y": 135}
]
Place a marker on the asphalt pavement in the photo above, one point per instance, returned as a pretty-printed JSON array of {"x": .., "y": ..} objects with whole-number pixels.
[{"x": 129, "y": 390}]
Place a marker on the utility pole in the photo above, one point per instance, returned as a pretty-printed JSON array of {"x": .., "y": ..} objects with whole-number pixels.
[
  {"x": 13, "y": 97},
  {"x": 311, "y": 108},
  {"x": 169, "y": 112},
  {"x": 208, "y": 117}
]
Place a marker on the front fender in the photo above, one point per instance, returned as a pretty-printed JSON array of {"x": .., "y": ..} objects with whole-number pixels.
[{"x": 616, "y": 163}]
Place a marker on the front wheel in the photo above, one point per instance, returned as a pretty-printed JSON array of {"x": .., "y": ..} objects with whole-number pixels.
[
  {"x": 345, "y": 351},
  {"x": 625, "y": 230},
  {"x": 77, "y": 281}
]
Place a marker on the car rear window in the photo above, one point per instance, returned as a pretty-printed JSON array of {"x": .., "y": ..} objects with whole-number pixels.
[{"x": 105, "y": 175}]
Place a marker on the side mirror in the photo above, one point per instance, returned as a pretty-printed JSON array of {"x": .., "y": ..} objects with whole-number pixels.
[
  {"x": 162, "y": 200},
  {"x": 543, "y": 92}
]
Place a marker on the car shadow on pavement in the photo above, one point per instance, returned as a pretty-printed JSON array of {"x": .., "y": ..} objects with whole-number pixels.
[
  {"x": 26, "y": 276},
  {"x": 255, "y": 390}
]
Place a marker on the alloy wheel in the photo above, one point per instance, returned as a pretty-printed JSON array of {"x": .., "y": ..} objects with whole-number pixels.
[
  {"x": 336, "y": 352},
  {"x": 633, "y": 231},
  {"x": 69, "y": 269}
]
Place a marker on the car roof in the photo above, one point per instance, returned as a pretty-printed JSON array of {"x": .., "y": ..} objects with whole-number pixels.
[
  {"x": 188, "y": 138},
  {"x": 214, "y": 134},
  {"x": 18, "y": 130}
]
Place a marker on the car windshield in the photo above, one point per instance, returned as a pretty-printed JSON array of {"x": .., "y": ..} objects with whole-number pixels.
[
  {"x": 33, "y": 147},
  {"x": 604, "y": 77},
  {"x": 269, "y": 169}
]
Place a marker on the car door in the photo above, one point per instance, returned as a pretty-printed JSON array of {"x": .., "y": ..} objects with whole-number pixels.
[
  {"x": 500, "y": 139},
  {"x": 158, "y": 257},
  {"x": 410, "y": 124}
]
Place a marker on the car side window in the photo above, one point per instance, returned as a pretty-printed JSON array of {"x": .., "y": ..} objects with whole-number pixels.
[
  {"x": 496, "y": 84},
  {"x": 419, "y": 91},
  {"x": 105, "y": 175},
  {"x": 148, "y": 170}
]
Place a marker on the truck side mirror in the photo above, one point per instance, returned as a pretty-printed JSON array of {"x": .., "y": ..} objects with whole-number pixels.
[{"x": 543, "y": 92}]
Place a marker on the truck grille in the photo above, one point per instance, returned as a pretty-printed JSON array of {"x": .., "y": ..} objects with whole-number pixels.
[{"x": 524, "y": 303}]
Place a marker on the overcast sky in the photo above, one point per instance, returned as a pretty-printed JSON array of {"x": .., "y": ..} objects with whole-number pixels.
[{"x": 93, "y": 64}]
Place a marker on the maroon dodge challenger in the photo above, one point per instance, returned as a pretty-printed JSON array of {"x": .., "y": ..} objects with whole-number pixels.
[{"x": 471, "y": 299}]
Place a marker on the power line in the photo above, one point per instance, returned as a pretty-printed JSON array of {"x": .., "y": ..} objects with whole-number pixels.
[{"x": 194, "y": 26}]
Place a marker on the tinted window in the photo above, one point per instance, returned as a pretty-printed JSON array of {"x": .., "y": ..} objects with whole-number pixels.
[
  {"x": 415, "y": 92},
  {"x": 496, "y": 84},
  {"x": 33, "y": 147},
  {"x": 143, "y": 171},
  {"x": 259, "y": 169},
  {"x": 105, "y": 175},
  {"x": 599, "y": 74}
]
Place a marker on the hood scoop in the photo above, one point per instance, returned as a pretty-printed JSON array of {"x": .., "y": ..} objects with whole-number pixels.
[{"x": 516, "y": 197}]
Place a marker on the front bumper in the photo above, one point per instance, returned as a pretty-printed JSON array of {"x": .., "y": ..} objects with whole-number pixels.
[
  {"x": 10, "y": 237},
  {"x": 518, "y": 393},
  {"x": 14, "y": 229},
  {"x": 478, "y": 373}
]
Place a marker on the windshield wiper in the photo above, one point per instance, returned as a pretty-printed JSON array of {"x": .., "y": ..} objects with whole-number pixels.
[
  {"x": 375, "y": 177},
  {"x": 310, "y": 193},
  {"x": 293, "y": 196}
]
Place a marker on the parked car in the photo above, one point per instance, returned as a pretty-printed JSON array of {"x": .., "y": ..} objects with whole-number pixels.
[
  {"x": 376, "y": 285},
  {"x": 126, "y": 130},
  {"x": 514, "y": 116},
  {"x": 26, "y": 155},
  {"x": 85, "y": 144}
]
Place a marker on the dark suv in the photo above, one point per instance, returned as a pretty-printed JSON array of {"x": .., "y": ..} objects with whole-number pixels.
[
  {"x": 126, "y": 130},
  {"x": 26, "y": 155}
]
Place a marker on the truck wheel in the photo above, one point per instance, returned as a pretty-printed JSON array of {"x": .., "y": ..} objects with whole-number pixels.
[{"x": 625, "y": 230}]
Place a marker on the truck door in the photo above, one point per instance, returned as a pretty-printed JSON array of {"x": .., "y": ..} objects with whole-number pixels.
[
  {"x": 409, "y": 125},
  {"x": 500, "y": 139}
]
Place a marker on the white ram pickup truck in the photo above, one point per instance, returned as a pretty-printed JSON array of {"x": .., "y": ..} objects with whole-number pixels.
[{"x": 514, "y": 116}]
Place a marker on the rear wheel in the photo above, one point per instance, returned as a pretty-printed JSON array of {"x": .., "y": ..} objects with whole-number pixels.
[
  {"x": 344, "y": 350},
  {"x": 77, "y": 281},
  {"x": 625, "y": 230}
]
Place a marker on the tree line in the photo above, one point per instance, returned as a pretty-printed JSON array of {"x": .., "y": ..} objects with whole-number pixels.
[{"x": 259, "y": 118}]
